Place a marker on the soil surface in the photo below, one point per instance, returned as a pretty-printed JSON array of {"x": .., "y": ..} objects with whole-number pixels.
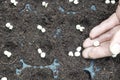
[{"x": 24, "y": 40}]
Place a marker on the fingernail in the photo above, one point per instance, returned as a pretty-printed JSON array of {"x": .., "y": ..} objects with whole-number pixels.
[{"x": 115, "y": 49}]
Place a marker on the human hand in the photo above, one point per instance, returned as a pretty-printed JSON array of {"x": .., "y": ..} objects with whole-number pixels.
[{"x": 108, "y": 34}]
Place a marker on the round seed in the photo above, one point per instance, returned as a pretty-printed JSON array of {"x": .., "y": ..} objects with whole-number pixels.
[
  {"x": 43, "y": 30},
  {"x": 43, "y": 54},
  {"x": 96, "y": 43},
  {"x": 4, "y": 78},
  {"x": 70, "y": 54},
  {"x": 39, "y": 51},
  {"x": 77, "y": 54},
  {"x": 39, "y": 27},
  {"x": 7, "y": 53},
  {"x": 79, "y": 48}
]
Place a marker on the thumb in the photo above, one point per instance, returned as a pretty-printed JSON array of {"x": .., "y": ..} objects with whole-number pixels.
[{"x": 115, "y": 44}]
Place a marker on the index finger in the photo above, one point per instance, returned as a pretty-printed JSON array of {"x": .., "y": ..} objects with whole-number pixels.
[{"x": 106, "y": 25}]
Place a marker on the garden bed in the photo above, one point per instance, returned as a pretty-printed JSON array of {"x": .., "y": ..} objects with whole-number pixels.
[{"x": 59, "y": 19}]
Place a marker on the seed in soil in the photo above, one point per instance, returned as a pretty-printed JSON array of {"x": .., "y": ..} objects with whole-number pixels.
[
  {"x": 9, "y": 26},
  {"x": 70, "y": 54},
  {"x": 113, "y": 1},
  {"x": 4, "y": 78},
  {"x": 45, "y": 4},
  {"x": 79, "y": 48},
  {"x": 76, "y": 1},
  {"x": 39, "y": 51},
  {"x": 79, "y": 27},
  {"x": 71, "y": 0},
  {"x": 43, "y": 30},
  {"x": 39, "y": 27},
  {"x": 43, "y": 54},
  {"x": 7, "y": 53},
  {"x": 107, "y": 1},
  {"x": 77, "y": 54},
  {"x": 14, "y": 2}
]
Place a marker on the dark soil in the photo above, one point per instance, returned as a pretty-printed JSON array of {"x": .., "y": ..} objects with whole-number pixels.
[{"x": 24, "y": 40}]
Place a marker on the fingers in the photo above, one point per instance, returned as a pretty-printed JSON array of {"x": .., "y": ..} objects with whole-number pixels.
[
  {"x": 115, "y": 44},
  {"x": 102, "y": 38},
  {"x": 106, "y": 25},
  {"x": 97, "y": 52}
]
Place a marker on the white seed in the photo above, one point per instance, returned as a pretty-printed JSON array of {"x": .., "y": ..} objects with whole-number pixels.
[
  {"x": 8, "y": 24},
  {"x": 78, "y": 26},
  {"x": 76, "y": 1},
  {"x": 107, "y": 1},
  {"x": 11, "y": 27},
  {"x": 77, "y": 53},
  {"x": 70, "y": 54},
  {"x": 4, "y": 78},
  {"x": 43, "y": 30},
  {"x": 43, "y": 54},
  {"x": 82, "y": 28},
  {"x": 7, "y": 53},
  {"x": 71, "y": 0},
  {"x": 45, "y": 4},
  {"x": 12, "y": 1},
  {"x": 39, "y": 27},
  {"x": 79, "y": 48},
  {"x": 15, "y": 3},
  {"x": 112, "y": 1},
  {"x": 39, "y": 51},
  {"x": 96, "y": 43}
]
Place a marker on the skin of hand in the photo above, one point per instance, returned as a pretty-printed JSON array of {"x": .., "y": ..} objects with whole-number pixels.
[{"x": 108, "y": 34}]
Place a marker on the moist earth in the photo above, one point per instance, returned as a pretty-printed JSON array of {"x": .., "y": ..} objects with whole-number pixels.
[{"x": 24, "y": 39}]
